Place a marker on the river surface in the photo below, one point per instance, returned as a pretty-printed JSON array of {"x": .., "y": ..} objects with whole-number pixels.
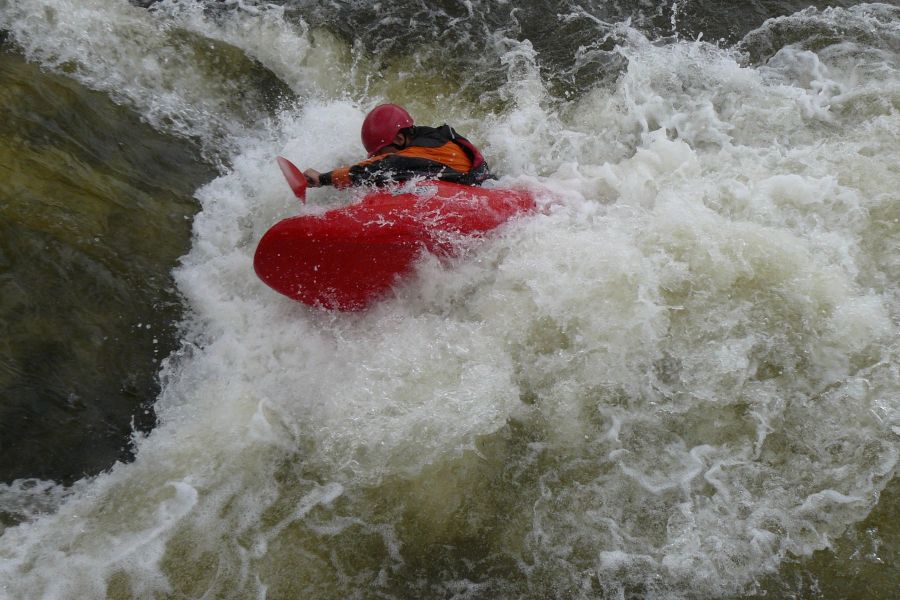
[{"x": 679, "y": 379}]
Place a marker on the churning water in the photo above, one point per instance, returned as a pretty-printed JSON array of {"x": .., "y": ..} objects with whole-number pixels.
[{"x": 679, "y": 379}]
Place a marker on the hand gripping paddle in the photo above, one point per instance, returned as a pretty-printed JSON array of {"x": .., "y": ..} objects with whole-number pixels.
[{"x": 295, "y": 178}]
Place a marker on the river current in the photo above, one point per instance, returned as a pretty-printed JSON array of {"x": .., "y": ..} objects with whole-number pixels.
[{"x": 679, "y": 379}]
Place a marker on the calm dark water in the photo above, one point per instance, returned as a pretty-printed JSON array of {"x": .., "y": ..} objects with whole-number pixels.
[{"x": 96, "y": 209}]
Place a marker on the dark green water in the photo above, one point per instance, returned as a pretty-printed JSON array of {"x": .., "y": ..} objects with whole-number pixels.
[{"x": 95, "y": 209}]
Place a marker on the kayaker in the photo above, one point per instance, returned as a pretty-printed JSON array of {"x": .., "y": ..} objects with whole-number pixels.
[{"x": 399, "y": 150}]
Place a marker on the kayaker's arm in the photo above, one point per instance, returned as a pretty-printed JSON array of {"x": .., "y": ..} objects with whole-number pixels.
[
  {"x": 313, "y": 178},
  {"x": 317, "y": 179},
  {"x": 388, "y": 168}
]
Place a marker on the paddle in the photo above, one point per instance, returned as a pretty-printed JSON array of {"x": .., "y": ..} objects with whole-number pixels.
[{"x": 295, "y": 178}]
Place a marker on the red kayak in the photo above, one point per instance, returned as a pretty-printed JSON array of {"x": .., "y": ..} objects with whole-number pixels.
[{"x": 348, "y": 258}]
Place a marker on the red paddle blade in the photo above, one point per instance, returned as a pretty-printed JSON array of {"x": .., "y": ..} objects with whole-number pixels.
[{"x": 295, "y": 178}]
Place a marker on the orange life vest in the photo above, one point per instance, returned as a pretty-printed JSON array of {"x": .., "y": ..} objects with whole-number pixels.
[{"x": 433, "y": 153}]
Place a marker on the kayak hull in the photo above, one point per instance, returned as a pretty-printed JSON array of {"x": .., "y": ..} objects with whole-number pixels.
[{"x": 349, "y": 257}]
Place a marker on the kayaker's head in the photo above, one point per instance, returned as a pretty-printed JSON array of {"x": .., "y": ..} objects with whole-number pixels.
[{"x": 384, "y": 126}]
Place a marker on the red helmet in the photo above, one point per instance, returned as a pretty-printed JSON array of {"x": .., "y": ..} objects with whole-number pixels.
[{"x": 382, "y": 125}]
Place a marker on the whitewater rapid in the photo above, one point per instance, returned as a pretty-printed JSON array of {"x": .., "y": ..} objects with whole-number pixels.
[{"x": 679, "y": 374}]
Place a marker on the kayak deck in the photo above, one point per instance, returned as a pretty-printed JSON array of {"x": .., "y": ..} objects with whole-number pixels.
[{"x": 349, "y": 257}]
